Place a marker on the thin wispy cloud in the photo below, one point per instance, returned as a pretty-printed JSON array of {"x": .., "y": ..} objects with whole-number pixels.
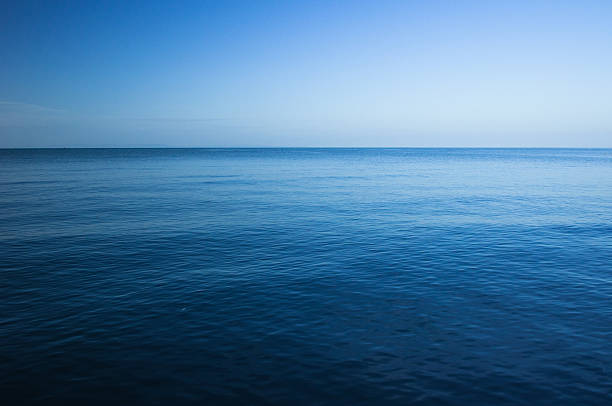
[
  {"x": 17, "y": 114},
  {"x": 177, "y": 119},
  {"x": 7, "y": 106}
]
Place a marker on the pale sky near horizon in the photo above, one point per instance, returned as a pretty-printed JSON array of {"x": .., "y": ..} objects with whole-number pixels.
[{"x": 312, "y": 73}]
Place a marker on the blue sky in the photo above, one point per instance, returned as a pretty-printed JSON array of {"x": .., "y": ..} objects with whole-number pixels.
[{"x": 312, "y": 73}]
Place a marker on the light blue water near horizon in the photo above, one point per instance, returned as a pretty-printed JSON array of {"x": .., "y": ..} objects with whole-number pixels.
[{"x": 306, "y": 276}]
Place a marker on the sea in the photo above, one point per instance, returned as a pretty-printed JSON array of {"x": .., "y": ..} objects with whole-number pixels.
[{"x": 308, "y": 276}]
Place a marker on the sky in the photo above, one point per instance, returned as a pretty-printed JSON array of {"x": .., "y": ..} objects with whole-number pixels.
[{"x": 308, "y": 73}]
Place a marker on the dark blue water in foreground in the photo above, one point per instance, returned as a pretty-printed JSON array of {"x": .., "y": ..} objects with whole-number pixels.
[{"x": 306, "y": 276}]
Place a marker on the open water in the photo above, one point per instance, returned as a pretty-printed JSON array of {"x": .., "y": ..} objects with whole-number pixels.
[{"x": 306, "y": 276}]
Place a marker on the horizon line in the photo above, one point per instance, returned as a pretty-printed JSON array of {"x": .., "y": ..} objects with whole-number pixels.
[{"x": 289, "y": 147}]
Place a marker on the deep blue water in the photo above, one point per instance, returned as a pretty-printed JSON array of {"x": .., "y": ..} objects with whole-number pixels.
[{"x": 306, "y": 276}]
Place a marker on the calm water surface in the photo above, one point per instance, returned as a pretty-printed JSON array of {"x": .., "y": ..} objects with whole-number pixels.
[{"x": 306, "y": 276}]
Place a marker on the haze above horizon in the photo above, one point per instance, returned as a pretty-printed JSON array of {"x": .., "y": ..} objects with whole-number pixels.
[{"x": 317, "y": 74}]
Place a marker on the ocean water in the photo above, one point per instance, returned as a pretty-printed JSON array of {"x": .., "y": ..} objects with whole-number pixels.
[{"x": 306, "y": 276}]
